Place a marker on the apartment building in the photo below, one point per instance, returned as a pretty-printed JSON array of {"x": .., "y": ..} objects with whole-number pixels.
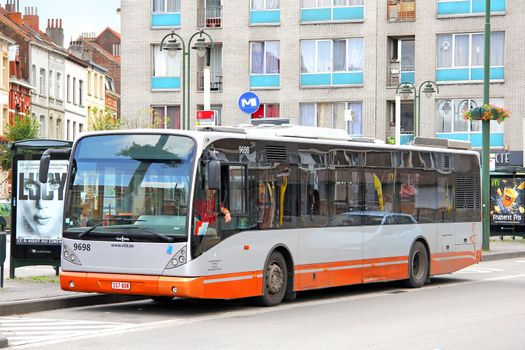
[
  {"x": 315, "y": 61},
  {"x": 5, "y": 43},
  {"x": 75, "y": 101}
]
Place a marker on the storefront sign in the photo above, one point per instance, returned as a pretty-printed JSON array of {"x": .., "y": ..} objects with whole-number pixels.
[{"x": 508, "y": 158}]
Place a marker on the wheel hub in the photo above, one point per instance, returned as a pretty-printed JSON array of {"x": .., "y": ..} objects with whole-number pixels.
[{"x": 275, "y": 278}]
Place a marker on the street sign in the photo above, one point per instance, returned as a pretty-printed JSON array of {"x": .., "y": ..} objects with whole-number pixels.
[
  {"x": 206, "y": 118},
  {"x": 249, "y": 102}
]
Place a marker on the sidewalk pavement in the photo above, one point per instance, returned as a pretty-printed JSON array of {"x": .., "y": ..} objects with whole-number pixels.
[{"x": 36, "y": 288}]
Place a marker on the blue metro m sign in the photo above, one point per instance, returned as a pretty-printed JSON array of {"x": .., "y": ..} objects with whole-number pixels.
[{"x": 249, "y": 102}]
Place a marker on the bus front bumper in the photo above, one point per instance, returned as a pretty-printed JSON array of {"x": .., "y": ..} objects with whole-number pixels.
[{"x": 229, "y": 286}]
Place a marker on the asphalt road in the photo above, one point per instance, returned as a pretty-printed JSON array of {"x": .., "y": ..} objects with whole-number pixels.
[{"x": 481, "y": 307}]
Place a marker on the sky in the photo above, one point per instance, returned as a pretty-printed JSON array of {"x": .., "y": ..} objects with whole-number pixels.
[{"x": 77, "y": 16}]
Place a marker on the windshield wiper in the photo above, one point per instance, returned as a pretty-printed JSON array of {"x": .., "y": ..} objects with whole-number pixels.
[
  {"x": 89, "y": 230},
  {"x": 160, "y": 235}
]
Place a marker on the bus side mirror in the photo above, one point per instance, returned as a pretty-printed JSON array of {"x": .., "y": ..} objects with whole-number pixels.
[
  {"x": 43, "y": 169},
  {"x": 214, "y": 175}
]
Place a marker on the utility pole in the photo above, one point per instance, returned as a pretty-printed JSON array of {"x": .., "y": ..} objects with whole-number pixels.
[{"x": 485, "y": 130}]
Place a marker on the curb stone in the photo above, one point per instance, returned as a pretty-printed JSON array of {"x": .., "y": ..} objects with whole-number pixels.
[
  {"x": 502, "y": 256},
  {"x": 53, "y": 303},
  {"x": 3, "y": 342}
]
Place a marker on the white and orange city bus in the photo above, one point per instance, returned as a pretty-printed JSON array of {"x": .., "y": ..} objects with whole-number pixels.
[{"x": 310, "y": 208}]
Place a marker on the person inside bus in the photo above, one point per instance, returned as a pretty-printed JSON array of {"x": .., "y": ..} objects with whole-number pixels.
[{"x": 206, "y": 208}]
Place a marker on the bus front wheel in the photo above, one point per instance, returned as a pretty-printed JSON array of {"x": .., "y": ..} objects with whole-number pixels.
[
  {"x": 417, "y": 266},
  {"x": 274, "y": 280}
]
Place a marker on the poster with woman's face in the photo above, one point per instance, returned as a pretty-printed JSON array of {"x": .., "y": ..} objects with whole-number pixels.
[{"x": 39, "y": 206}]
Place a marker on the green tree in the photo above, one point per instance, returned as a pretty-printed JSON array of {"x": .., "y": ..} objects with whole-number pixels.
[
  {"x": 104, "y": 120},
  {"x": 23, "y": 128}
]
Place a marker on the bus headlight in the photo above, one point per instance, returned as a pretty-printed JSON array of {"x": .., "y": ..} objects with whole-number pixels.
[
  {"x": 177, "y": 259},
  {"x": 68, "y": 255}
]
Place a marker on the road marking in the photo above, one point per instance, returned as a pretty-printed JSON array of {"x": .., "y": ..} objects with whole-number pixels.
[
  {"x": 25, "y": 331},
  {"x": 472, "y": 269},
  {"x": 128, "y": 328},
  {"x": 520, "y": 261}
]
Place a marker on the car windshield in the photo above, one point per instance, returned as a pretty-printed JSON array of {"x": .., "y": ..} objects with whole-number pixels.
[{"x": 135, "y": 185}]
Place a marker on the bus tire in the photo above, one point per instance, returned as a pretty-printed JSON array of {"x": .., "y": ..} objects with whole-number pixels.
[
  {"x": 275, "y": 280},
  {"x": 418, "y": 266}
]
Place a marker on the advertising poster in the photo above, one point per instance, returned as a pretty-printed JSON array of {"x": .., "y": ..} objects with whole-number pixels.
[
  {"x": 507, "y": 201},
  {"x": 40, "y": 206}
]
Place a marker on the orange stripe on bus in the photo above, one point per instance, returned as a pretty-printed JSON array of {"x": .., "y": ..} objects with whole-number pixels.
[{"x": 247, "y": 284}]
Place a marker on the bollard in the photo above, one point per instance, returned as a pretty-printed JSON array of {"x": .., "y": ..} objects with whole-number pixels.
[{"x": 3, "y": 243}]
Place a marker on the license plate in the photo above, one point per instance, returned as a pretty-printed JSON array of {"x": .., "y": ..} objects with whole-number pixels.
[{"x": 121, "y": 285}]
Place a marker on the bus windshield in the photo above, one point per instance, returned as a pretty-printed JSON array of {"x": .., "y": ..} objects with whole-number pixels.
[{"x": 131, "y": 186}]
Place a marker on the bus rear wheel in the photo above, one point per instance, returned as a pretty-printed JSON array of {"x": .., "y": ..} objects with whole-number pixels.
[
  {"x": 417, "y": 266},
  {"x": 274, "y": 280}
]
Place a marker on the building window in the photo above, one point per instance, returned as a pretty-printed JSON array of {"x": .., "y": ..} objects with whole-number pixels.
[
  {"x": 166, "y": 6},
  {"x": 74, "y": 130},
  {"x": 330, "y": 3},
  {"x": 401, "y": 10},
  {"x": 165, "y": 117},
  {"x": 42, "y": 90},
  {"x": 51, "y": 87},
  {"x": 95, "y": 85},
  {"x": 265, "y": 4},
  {"x": 42, "y": 129},
  {"x": 334, "y": 59},
  {"x": 166, "y": 69},
  {"x": 116, "y": 49},
  {"x": 313, "y": 11},
  {"x": 267, "y": 110},
  {"x": 451, "y": 124},
  {"x": 59, "y": 86},
  {"x": 101, "y": 86},
  {"x": 468, "y": 7},
  {"x": 338, "y": 115},
  {"x": 265, "y": 64},
  {"x": 320, "y": 56},
  {"x": 90, "y": 84},
  {"x": 80, "y": 127},
  {"x": 265, "y": 12},
  {"x": 4, "y": 80},
  {"x": 110, "y": 86},
  {"x": 81, "y": 93},
  {"x": 166, "y": 63},
  {"x": 68, "y": 88},
  {"x": 33, "y": 75},
  {"x": 265, "y": 57},
  {"x": 460, "y": 56},
  {"x": 74, "y": 91},
  {"x": 165, "y": 13},
  {"x": 68, "y": 131}
]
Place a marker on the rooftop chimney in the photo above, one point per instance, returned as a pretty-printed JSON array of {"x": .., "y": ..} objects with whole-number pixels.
[
  {"x": 55, "y": 31},
  {"x": 13, "y": 12},
  {"x": 31, "y": 18}
]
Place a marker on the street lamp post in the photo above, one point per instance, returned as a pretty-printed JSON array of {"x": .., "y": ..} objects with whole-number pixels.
[
  {"x": 176, "y": 43},
  {"x": 426, "y": 87},
  {"x": 485, "y": 132}
]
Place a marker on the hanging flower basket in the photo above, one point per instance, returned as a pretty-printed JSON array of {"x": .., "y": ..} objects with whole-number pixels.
[{"x": 487, "y": 112}]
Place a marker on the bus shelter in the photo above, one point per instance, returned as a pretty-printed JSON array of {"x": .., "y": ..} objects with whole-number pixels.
[{"x": 37, "y": 208}]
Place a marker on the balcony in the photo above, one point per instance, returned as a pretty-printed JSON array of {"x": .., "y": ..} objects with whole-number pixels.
[
  {"x": 215, "y": 81},
  {"x": 210, "y": 17},
  {"x": 397, "y": 73},
  {"x": 401, "y": 10}
]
